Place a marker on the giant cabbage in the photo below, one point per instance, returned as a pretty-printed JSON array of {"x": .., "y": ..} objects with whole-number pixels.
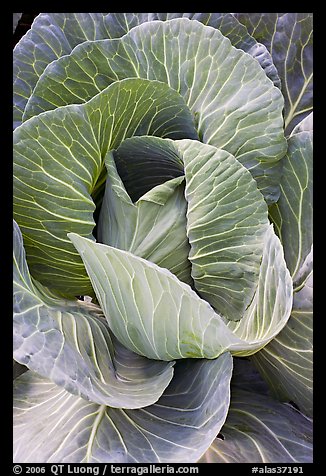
[{"x": 162, "y": 238}]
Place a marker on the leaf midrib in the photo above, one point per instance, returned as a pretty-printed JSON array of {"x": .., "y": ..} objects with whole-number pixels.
[{"x": 95, "y": 426}]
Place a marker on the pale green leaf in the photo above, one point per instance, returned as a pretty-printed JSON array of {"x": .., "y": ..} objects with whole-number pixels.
[
  {"x": 226, "y": 225},
  {"x": 52, "y": 425},
  {"x": 154, "y": 228},
  {"x": 154, "y": 314},
  {"x": 270, "y": 308},
  {"x": 230, "y": 27},
  {"x": 69, "y": 342}
]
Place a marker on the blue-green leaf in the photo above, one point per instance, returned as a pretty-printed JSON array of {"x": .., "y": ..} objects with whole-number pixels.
[
  {"x": 259, "y": 429},
  {"x": 286, "y": 363},
  {"x": 289, "y": 38},
  {"x": 292, "y": 214},
  {"x": 52, "y": 425},
  {"x": 69, "y": 342}
]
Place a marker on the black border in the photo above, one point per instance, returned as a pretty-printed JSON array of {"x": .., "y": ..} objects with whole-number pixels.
[{"x": 319, "y": 203}]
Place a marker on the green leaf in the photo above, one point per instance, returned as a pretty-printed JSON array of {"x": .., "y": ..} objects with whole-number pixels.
[
  {"x": 59, "y": 158},
  {"x": 69, "y": 341},
  {"x": 271, "y": 305},
  {"x": 235, "y": 105},
  {"x": 148, "y": 309},
  {"x": 226, "y": 225},
  {"x": 154, "y": 314},
  {"x": 288, "y": 36},
  {"x": 154, "y": 228},
  {"x": 292, "y": 214},
  {"x": 259, "y": 429},
  {"x": 230, "y": 27},
  {"x": 52, "y": 425},
  {"x": 286, "y": 363},
  {"x": 53, "y": 35}
]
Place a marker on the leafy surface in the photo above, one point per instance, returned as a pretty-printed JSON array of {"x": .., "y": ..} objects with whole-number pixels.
[
  {"x": 154, "y": 314},
  {"x": 226, "y": 231},
  {"x": 179, "y": 427},
  {"x": 230, "y": 27},
  {"x": 69, "y": 341},
  {"x": 51, "y": 36},
  {"x": 286, "y": 362},
  {"x": 226, "y": 225},
  {"x": 153, "y": 228},
  {"x": 189, "y": 268},
  {"x": 235, "y": 105},
  {"x": 261, "y": 430},
  {"x": 55, "y": 34},
  {"x": 58, "y": 159},
  {"x": 288, "y": 37},
  {"x": 145, "y": 162},
  {"x": 292, "y": 214},
  {"x": 271, "y": 305}
]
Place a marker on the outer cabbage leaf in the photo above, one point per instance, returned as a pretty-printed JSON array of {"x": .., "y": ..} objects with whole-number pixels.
[
  {"x": 261, "y": 430},
  {"x": 58, "y": 166},
  {"x": 226, "y": 225},
  {"x": 230, "y": 27},
  {"x": 292, "y": 214},
  {"x": 69, "y": 341},
  {"x": 286, "y": 363},
  {"x": 154, "y": 314},
  {"x": 235, "y": 105},
  {"x": 288, "y": 37},
  {"x": 52, "y": 425},
  {"x": 53, "y": 35},
  {"x": 153, "y": 228}
]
